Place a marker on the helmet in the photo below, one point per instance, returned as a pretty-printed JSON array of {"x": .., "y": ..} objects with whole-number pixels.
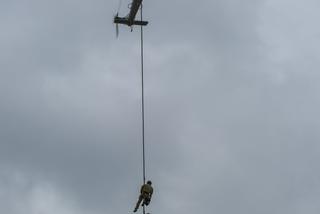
[{"x": 149, "y": 182}]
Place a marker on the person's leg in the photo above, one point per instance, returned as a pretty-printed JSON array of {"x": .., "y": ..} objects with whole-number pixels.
[
  {"x": 146, "y": 201},
  {"x": 138, "y": 203}
]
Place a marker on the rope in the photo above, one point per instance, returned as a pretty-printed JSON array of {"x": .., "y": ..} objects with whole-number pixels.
[{"x": 142, "y": 106}]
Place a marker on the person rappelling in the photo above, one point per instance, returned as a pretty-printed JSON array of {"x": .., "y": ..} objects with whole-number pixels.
[
  {"x": 146, "y": 192},
  {"x": 146, "y": 189}
]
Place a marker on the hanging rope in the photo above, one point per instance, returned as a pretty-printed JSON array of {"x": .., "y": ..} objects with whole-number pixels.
[{"x": 142, "y": 105}]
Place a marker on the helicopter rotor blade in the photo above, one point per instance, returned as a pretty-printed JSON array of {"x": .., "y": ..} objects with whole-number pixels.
[
  {"x": 117, "y": 30},
  {"x": 117, "y": 26}
]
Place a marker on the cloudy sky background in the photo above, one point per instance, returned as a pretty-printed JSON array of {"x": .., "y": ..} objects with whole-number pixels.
[{"x": 232, "y": 107}]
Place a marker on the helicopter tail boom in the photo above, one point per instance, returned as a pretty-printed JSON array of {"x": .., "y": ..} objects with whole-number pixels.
[{"x": 126, "y": 21}]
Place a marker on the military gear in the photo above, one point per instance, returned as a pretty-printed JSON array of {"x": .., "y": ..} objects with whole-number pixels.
[
  {"x": 146, "y": 192},
  {"x": 146, "y": 189}
]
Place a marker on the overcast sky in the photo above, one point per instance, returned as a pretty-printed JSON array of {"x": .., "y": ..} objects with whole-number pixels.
[{"x": 232, "y": 107}]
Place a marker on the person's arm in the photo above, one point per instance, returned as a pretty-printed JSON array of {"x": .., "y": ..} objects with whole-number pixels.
[{"x": 151, "y": 193}]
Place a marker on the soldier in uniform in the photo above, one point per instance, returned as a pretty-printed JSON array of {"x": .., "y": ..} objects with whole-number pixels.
[{"x": 146, "y": 192}]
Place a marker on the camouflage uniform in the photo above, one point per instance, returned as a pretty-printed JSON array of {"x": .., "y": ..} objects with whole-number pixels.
[{"x": 146, "y": 192}]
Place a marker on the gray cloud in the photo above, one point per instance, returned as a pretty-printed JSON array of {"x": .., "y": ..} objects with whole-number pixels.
[{"x": 231, "y": 107}]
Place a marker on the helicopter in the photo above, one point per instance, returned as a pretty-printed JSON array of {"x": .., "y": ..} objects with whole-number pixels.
[{"x": 129, "y": 20}]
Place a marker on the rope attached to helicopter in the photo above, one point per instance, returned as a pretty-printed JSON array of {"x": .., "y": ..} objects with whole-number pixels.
[{"x": 142, "y": 103}]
